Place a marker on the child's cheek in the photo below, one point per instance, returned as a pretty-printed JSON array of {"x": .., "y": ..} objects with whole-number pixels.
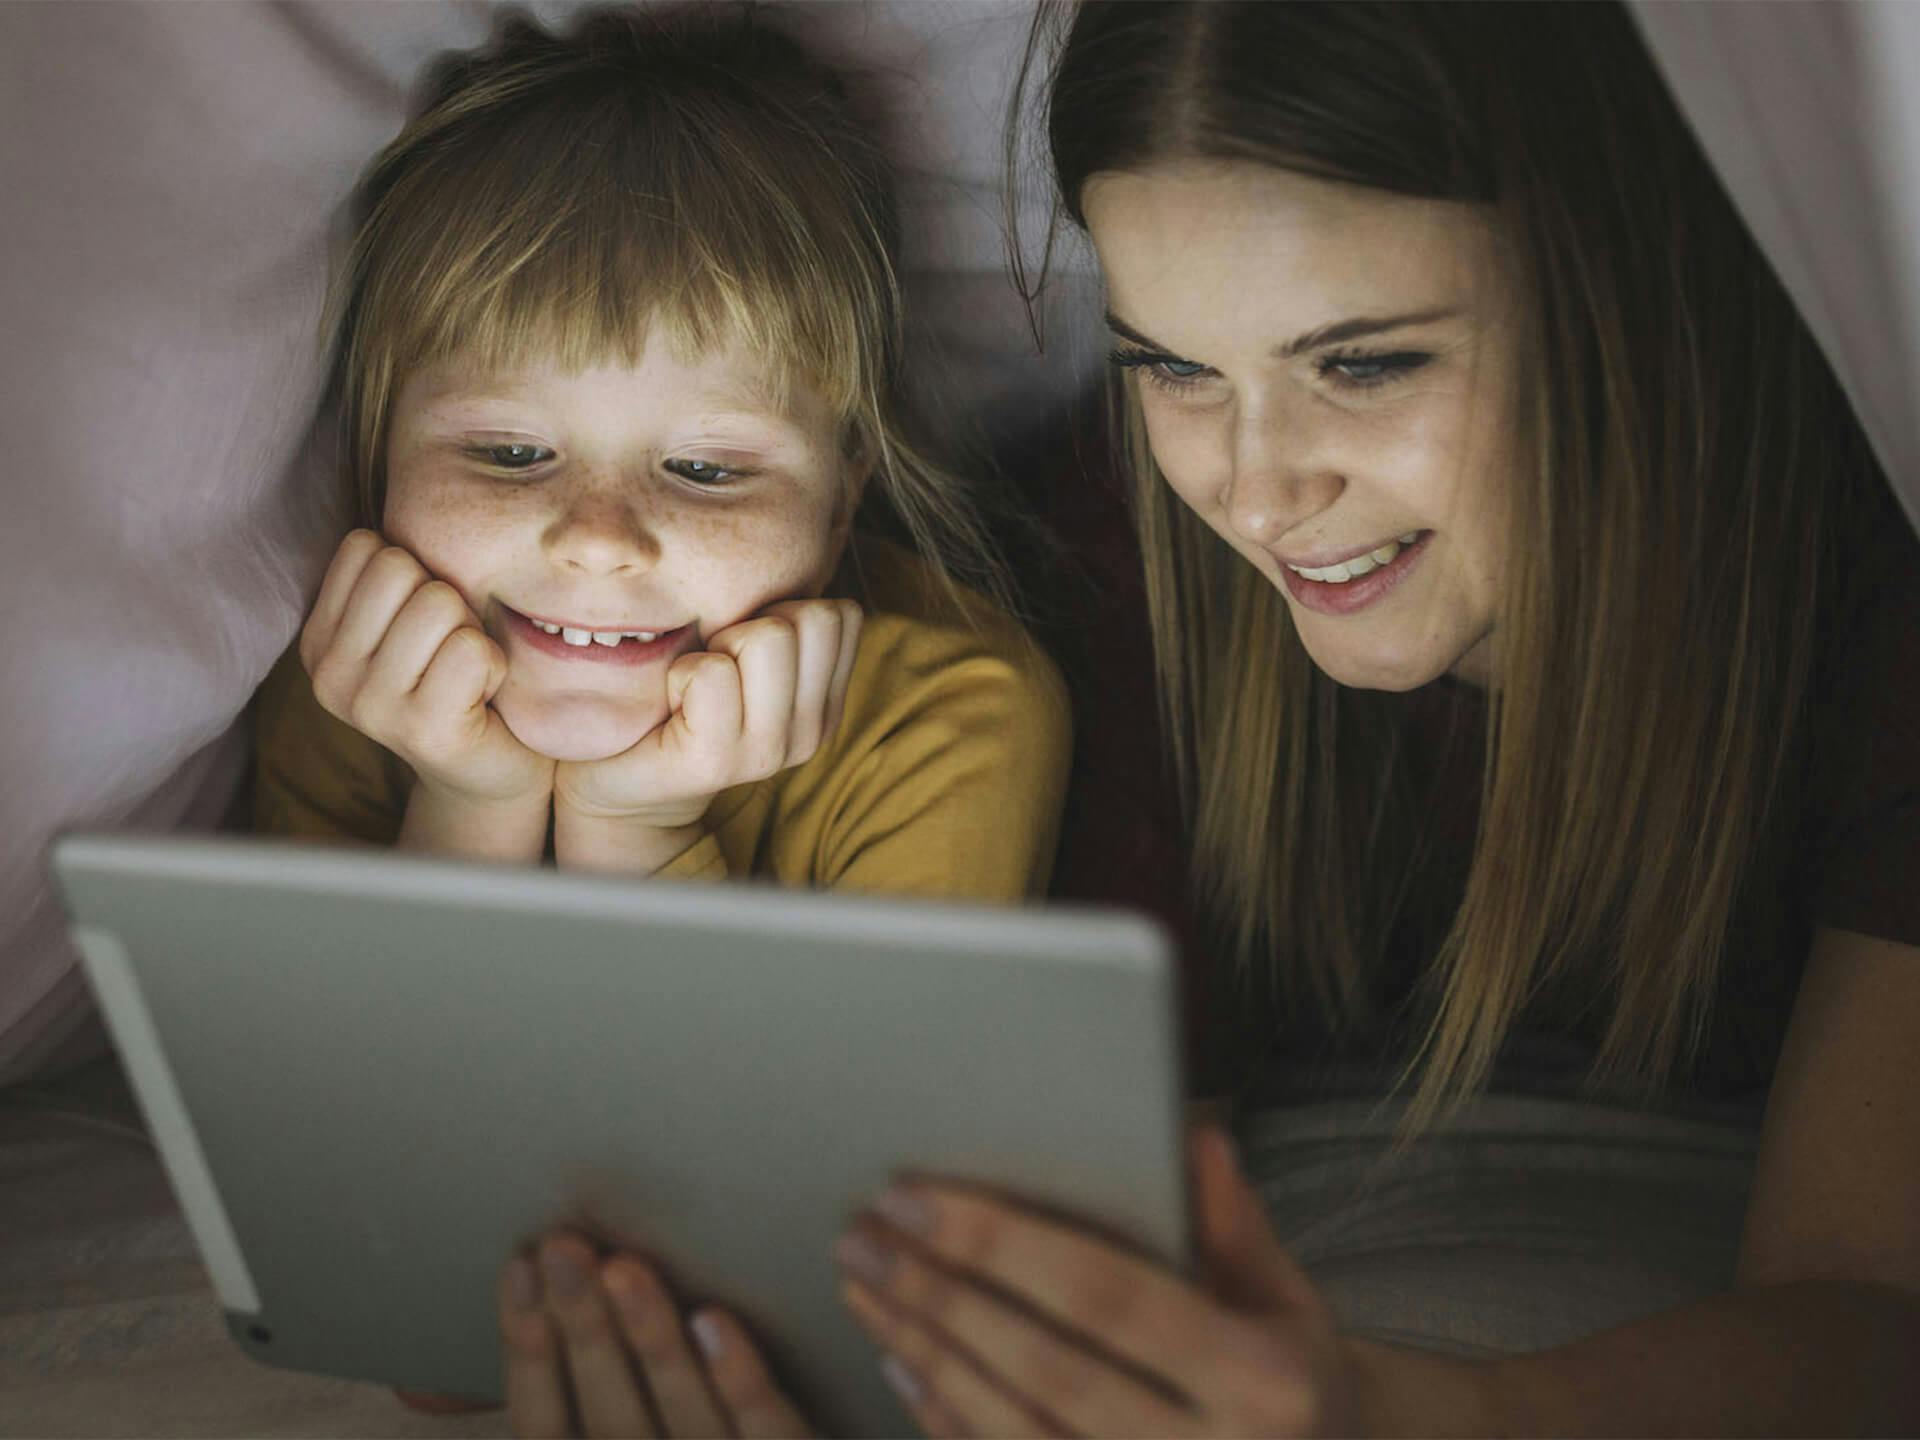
[
  {"x": 453, "y": 527},
  {"x": 744, "y": 559}
]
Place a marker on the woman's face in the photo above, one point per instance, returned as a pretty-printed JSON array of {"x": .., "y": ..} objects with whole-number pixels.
[
  {"x": 1327, "y": 375},
  {"x": 603, "y": 522}
]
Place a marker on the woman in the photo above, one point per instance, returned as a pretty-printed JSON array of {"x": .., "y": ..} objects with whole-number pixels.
[{"x": 1540, "y": 648}]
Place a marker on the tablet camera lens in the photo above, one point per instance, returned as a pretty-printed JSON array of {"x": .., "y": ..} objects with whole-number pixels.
[{"x": 259, "y": 1334}]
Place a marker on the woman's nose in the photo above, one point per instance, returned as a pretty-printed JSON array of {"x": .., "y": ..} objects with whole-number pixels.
[
  {"x": 1277, "y": 481},
  {"x": 603, "y": 533}
]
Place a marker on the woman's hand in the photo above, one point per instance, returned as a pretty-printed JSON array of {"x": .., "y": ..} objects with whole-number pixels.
[
  {"x": 399, "y": 656},
  {"x": 998, "y": 1322},
  {"x": 597, "y": 1347},
  {"x": 763, "y": 696}
]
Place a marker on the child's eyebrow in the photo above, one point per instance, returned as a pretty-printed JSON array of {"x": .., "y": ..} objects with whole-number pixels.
[{"x": 481, "y": 409}]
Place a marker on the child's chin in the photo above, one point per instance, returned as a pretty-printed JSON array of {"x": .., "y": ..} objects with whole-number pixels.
[{"x": 579, "y": 731}]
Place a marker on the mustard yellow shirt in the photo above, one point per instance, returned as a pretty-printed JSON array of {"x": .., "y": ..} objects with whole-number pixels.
[{"x": 945, "y": 779}]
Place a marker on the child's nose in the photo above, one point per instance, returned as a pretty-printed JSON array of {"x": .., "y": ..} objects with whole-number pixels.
[{"x": 602, "y": 534}]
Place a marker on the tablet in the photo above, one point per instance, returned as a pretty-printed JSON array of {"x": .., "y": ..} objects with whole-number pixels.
[{"x": 371, "y": 1076}]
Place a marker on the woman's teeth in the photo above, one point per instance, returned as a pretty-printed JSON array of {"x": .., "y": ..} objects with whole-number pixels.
[
  {"x": 1359, "y": 565},
  {"x": 596, "y": 637}
]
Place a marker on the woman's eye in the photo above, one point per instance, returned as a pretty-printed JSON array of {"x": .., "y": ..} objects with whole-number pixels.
[
  {"x": 704, "y": 472},
  {"x": 1168, "y": 372},
  {"x": 515, "y": 455},
  {"x": 1359, "y": 371}
]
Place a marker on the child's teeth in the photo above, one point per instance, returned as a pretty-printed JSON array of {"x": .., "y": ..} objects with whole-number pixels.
[
  {"x": 1384, "y": 555},
  {"x": 1409, "y": 537},
  {"x": 575, "y": 636}
]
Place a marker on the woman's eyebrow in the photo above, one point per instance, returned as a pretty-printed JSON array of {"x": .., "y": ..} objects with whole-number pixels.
[{"x": 1333, "y": 334}]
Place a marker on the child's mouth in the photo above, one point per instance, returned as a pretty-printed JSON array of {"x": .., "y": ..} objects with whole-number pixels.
[{"x": 604, "y": 647}]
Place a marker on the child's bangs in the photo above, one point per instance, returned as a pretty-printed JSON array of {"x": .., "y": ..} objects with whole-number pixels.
[{"x": 570, "y": 243}]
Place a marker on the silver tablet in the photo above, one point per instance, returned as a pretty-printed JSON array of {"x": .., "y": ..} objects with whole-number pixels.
[{"x": 371, "y": 1076}]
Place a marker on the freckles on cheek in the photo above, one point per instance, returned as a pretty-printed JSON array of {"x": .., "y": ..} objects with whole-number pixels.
[
  {"x": 740, "y": 563},
  {"x": 447, "y": 527}
]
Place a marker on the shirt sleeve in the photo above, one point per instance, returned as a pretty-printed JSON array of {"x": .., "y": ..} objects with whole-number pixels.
[
  {"x": 317, "y": 778},
  {"x": 955, "y": 786},
  {"x": 703, "y": 860}
]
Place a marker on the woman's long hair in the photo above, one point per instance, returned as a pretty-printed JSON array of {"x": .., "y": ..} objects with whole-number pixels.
[{"x": 1680, "y": 433}]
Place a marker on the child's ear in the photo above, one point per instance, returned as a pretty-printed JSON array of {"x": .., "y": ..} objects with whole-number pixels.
[{"x": 853, "y": 488}]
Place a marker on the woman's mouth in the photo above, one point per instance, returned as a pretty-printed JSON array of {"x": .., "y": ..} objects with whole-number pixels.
[
  {"x": 1357, "y": 582},
  {"x": 604, "y": 647}
]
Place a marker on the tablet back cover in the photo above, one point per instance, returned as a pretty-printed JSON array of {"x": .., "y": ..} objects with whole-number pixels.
[{"x": 373, "y": 1075}]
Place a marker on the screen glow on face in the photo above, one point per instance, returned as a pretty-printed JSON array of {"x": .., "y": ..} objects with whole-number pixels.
[
  {"x": 1325, "y": 373},
  {"x": 602, "y": 522}
]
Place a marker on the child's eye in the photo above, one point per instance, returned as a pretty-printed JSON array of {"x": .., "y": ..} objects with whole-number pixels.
[
  {"x": 704, "y": 472},
  {"x": 1169, "y": 372},
  {"x": 1360, "y": 371},
  {"x": 515, "y": 455}
]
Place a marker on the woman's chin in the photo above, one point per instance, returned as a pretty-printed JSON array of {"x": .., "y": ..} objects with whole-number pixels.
[
  {"x": 576, "y": 730},
  {"x": 1375, "y": 667}
]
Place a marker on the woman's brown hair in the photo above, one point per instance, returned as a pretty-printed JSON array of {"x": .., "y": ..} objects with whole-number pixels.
[{"x": 1670, "y": 528}]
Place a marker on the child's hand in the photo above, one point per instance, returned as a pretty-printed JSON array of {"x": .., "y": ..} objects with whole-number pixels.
[
  {"x": 598, "y": 1347},
  {"x": 398, "y": 655},
  {"x": 763, "y": 696}
]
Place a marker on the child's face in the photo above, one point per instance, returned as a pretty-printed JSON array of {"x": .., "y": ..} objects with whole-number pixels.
[
  {"x": 665, "y": 500},
  {"x": 1327, "y": 377}
]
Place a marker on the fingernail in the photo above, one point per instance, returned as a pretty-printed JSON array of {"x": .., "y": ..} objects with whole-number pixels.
[
  {"x": 564, "y": 1277},
  {"x": 706, "y": 1332},
  {"x": 858, "y": 1253},
  {"x": 904, "y": 1209},
  {"x": 904, "y": 1382},
  {"x": 523, "y": 1284}
]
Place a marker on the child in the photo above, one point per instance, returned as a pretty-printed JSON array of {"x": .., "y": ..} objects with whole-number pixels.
[{"x": 619, "y": 369}]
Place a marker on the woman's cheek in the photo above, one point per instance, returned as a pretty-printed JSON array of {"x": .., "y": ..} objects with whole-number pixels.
[{"x": 1188, "y": 450}]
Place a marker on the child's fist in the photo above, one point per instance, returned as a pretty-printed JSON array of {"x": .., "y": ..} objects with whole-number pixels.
[
  {"x": 399, "y": 656},
  {"x": 762, "y": 697}
]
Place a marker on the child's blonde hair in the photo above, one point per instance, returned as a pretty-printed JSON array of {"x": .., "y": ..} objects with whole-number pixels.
[{"x": 561, "y": 195}]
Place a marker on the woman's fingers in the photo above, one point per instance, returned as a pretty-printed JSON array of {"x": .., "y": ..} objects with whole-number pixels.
[
  {"x": 994, "y": 1365},
  {"x": 429, "y": 1403},
  {"x": 1141, "y": 1313},
  {"x": 606, "y": 1392},
  {"x": 598, "y": 1348},
  {"x": 946, "y": 1392},
  {"x": 1244, "y": 1260},
  {"x": 535, "y": 1378},
  {"x": 650, "y": 1321},
  {"x": 759, "y": 1407}
]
